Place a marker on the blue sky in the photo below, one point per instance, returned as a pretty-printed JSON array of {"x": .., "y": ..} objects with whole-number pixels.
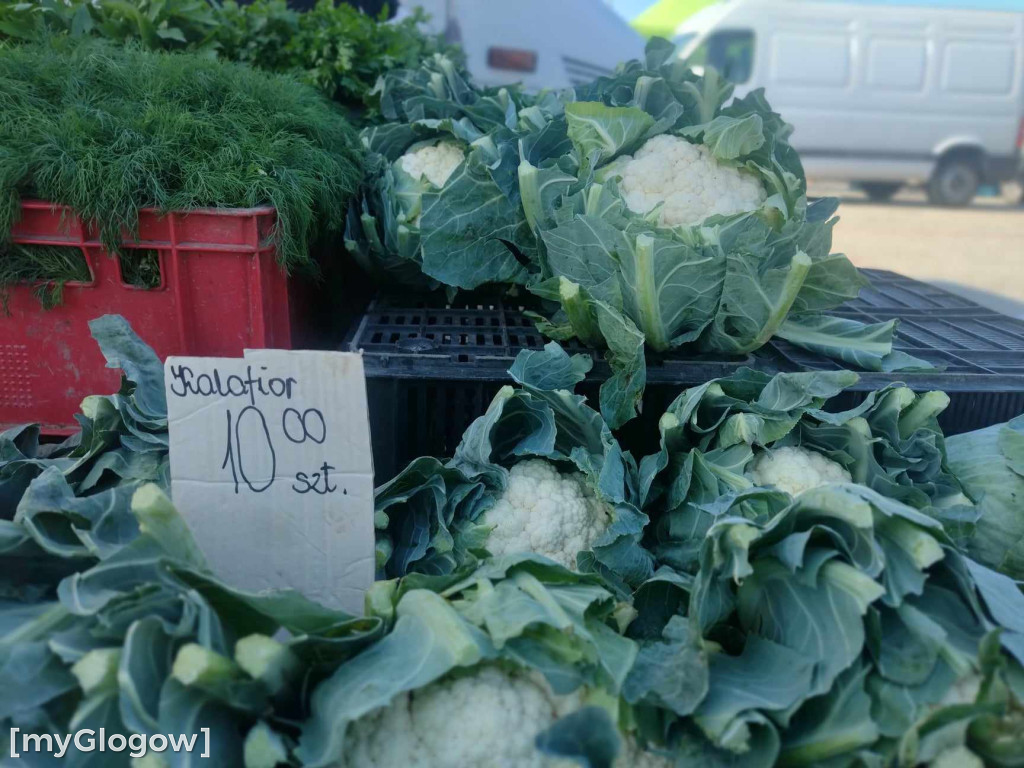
[{"x": 630, "y": 8}]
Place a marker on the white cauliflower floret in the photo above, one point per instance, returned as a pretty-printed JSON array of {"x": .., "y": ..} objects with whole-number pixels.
[
  {"x": 488, "y": 719},
  {"x": 437, "y": 162},
  {"x": 795, "y": 470},
  {"x": 685, "y": 177},
  {"x": 544, "y": 511},
  {"x": 497, "y": 713}
]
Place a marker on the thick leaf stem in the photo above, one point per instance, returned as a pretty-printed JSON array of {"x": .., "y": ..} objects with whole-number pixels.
[
  {"x": 579, "y": 312},
  {"x": 529, "y": 193},
  {"x": 798, "y": 270},
  {"x": 647, "y": 295}
]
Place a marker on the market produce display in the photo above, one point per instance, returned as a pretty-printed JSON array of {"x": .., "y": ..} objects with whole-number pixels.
[
  {"x": 108, "y": 130},
  {"x": 690, "y": 605},
  {"x": 646, "y": 209},
  {"x": 804, "y": 573},
  {"x": 768, "y": 579},
  {"x": 333, "y": 46}
]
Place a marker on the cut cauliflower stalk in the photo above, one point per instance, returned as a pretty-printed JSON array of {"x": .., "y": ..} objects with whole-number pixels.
[
  {"x": 436, "y": 162},
  {"x": 497, "y": 713},
  {"x": 686, "y": 179},
  {"x": 547, "y": 512},
  {"x": 795, "y": 470}
]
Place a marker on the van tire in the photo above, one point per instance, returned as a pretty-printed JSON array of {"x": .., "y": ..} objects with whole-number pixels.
[
  {"x": 880, "y": 191},
  {"x": 955, "y": 182}
]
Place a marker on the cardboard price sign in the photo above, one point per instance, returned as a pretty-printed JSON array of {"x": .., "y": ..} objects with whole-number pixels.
[{"x": 271, "y": 467}]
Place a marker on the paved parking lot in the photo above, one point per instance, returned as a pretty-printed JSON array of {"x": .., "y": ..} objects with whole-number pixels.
[{"x": 976, "y": 251}]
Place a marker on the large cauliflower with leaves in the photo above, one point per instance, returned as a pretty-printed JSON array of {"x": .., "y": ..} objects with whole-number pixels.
[
  {"x": 685, "y": 180},
  {"x": 487, "y": 719},
  {"x": 547, "y": 512},
  {"x": 539, "y": 472}
]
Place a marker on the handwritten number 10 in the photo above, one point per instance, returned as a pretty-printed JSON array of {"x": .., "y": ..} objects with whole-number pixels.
[
  {"x": 233, "y": 454},
  {"x": 298, "y": 426}
]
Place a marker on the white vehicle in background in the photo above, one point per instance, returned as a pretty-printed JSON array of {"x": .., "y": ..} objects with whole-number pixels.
[
  {"x": 540, "y": 43},
  {"x": 881, "y": 96}
]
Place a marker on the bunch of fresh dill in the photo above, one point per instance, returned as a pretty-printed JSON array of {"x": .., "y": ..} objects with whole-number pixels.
[{"x": 109, "y": 129}]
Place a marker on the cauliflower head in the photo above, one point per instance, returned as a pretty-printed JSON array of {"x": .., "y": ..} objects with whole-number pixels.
[
  {"x": 434, "y": 162},
  {"x": 795, "y": 470},
  {"x": 547, "y": 512},
  {"x": 488, "y": 719},
  {"x": 686, "y": 180}
]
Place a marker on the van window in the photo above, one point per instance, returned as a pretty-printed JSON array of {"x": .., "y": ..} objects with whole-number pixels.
[{"x": 730, "y": 51}]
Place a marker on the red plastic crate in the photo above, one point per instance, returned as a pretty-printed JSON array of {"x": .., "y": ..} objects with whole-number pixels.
[{"x": 221, "y": 291}]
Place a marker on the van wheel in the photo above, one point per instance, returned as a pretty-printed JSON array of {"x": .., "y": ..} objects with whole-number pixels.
[
  {"x": 880, "y": 191},
  {"x": 954, "y": 183}
]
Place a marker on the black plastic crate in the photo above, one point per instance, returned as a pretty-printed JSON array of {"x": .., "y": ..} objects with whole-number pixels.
[
  {"x": 428, "y": 339},
  {"x": 893, "y": 292},
  {"x": 433, "y": 367},
  {"x": 979, "y": 351}
]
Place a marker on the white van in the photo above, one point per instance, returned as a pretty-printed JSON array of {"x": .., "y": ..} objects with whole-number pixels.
[
  {"x": 540, "y": 43},
  {"x": 879, "y": 95}
]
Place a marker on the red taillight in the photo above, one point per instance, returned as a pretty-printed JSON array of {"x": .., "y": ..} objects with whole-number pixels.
[{"x": 513, "y": 59}]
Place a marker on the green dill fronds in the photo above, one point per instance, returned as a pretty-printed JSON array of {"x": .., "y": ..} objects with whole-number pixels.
[{"x": 108, "y": 130}]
